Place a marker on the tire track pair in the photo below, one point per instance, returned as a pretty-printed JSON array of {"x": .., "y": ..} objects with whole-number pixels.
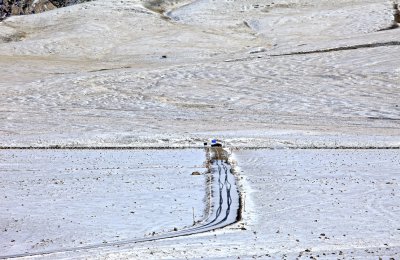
[{"x": 226, "y": 204}]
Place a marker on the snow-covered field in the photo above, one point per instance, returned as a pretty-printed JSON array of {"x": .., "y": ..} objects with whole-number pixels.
[
  {"x": 55, "y": 199},
  {"x": 327, "y": 204},
  {"x": 326, "y": 201},
  {"x": 262, "y": 74}
]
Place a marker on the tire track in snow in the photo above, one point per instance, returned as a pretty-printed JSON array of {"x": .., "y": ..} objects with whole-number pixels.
[{"x": 224, "y": 211}]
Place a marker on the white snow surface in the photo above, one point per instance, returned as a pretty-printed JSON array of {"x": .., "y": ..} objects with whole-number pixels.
[
  {"x": 275, "y": 74},
  {"x": 328, "y": 204},
  {"x": 94, "y": 74},
  {"x": 55, "y": 199}
]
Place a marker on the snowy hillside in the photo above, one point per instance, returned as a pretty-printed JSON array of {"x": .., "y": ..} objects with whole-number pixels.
[{"x": 119, "y": 72}]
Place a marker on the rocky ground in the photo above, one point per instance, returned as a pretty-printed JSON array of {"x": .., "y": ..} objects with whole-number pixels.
[{"x": 23, "y": 7}]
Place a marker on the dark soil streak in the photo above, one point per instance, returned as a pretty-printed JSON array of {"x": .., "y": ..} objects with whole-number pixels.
[{"x": 344, "y": 48}]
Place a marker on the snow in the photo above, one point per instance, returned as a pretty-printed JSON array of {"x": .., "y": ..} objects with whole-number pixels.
[
  {"x": 351, "y": 196},
  {"x": 254, "y": 74},
  {"x": 93, "y": 75},
  {"x": 124, "y": 107},
  {"x": 328, "y": 204},
  {"x": 54, "y": 199}
]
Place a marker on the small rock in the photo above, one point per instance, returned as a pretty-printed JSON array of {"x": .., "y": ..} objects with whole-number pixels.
[{"x": 196, "y": 173}]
